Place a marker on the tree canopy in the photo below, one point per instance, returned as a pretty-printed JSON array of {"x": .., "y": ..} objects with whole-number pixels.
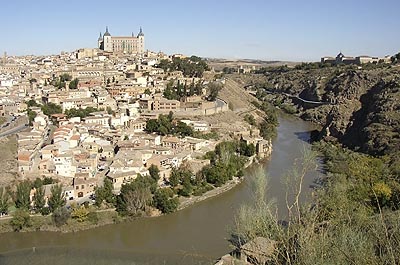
[
  {"x": 22, "y": 195},
  {"x": 165, "y": 201},
  {"x": 51, "y": 108},
  {"x": 73, "y": 84},
  {"x": 135, "y": 197},
  {"x": 57, "y": 199},
  {"x": 82, "y": 113},
  {"x": 213, "y": 90},
  {"x": 179, "y": 90},
  {"x": 190, "y": 67},
  {"x": 165, "y": 125},
  {"x": 60, "y": 81}
]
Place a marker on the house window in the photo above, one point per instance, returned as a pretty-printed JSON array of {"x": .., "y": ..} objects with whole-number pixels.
[
  {"x": 82, "y": 186},
  {"x": 77, "y": 187}
]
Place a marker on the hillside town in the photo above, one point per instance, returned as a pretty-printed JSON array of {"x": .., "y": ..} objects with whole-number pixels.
[{"x": 83, "y": 116}]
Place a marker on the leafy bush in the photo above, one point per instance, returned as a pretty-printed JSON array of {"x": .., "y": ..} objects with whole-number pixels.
[
  {"x": 21, "y": 219},
  {"x": 93, "y": 217},
  {"x": 61, "y": 216},
  {"x": 81, "y": 213}
]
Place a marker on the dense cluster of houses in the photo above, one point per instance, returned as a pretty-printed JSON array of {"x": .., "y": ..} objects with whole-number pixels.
[{"x": 111, "y": 142}]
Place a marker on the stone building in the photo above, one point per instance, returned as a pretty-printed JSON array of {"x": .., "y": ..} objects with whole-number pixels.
[
  {"x": 121, "y": 44},
  {"x": 341, "y": 59}
]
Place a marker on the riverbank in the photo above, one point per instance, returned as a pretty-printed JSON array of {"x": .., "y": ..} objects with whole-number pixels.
[
  {"x": 186, "y": 202},
  {"x": 110, "y": 216},
  {"x": 46, "y": 224}
]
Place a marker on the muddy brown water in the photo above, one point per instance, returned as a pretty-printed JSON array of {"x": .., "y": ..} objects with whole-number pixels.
[{"x": 196, "y": 235}]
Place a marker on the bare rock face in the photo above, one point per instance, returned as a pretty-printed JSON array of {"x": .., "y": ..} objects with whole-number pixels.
[
  {"x": 258, "y": 251},
  {"x": 360, "y": 106},
  {"x": 375, "y": 127}
]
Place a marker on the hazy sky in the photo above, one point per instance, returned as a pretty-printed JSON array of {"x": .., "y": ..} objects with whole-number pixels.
[{"x": 259, "y": 29}]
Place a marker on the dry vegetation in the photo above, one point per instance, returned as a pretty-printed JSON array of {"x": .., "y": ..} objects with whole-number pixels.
[
  {"x": 240, "y": 104},
  {"x": 8, "y": 161}
]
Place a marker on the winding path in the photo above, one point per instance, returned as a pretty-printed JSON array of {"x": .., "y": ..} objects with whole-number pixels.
[
  {"x": 13, "y": 130},
  {"x": 296, "y": 97}
]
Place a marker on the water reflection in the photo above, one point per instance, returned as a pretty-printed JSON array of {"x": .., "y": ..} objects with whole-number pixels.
[{"x": 76, "y": 256}]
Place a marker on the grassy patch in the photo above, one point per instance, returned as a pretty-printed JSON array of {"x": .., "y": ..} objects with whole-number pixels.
[{"x": 2, "y": 120}]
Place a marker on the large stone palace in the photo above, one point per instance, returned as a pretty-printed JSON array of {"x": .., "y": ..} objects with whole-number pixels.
[
  {"x": 121, "y": 44},
  {"x": 341, "y": 59}
]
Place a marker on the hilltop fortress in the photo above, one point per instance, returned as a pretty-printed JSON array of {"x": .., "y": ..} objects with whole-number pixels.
[
  {"x": 341, "y": 59},
  {"x": 121, "y": 44}
]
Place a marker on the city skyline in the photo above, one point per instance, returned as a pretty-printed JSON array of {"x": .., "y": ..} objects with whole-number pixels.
[{"x": 264, "y": 30}]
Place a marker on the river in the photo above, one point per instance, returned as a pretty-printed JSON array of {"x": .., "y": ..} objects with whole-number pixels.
[{"x": 195, "y": 235}]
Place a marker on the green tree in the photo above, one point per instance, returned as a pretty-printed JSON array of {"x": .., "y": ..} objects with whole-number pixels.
[
  {"x": 246, "y": 149},
  {"x": 82, "y": 113},
  {"x": 74, "y": 84},
  {"x": 61, "y": 80},
  {"x": 250, "y": 119},
  {"x": 60, "y": 216},
  {"x": 178, "y": 175},
  {"x": 56, "y": 199},
  {"x": 32, "y": 103},
  {"x": 109, "y": 110},
  {"x": 213, "y": 90},
  {"x": 51, "y": 108},
  {"x": 22, "y": 195},
  {"x": 104, "y": 193},
  {"x": 165, "y": 124},
  {"x": 193, "y": 66},
  {"x": 39, "y": 200},
  {"x": 108, "y": 191},
  {"x": 267, "y": 130},
  {"x": 170, "y": 91},
  {"x": 48, "y": 180},
  {"x": 4, "y": 201},
  {"x": 65, "y": 77},
  {"x": 135, "y": 197},
  {"x": 154, "y": 172},
  {"x": 20, "y": 220},
  {"x": 225, "y": 163},
  {"x": 152, "y": 126},
  {"x": 37, "y": 183},
  {"x": 93, "y": 217},
  {"x": 174, "y": 179},
  {"x": 164, "y": 201},
  {"x": 31, "y": 116},
  {"x": 147, "y": 91},
  {"x": 187, "y": 187},
  {"x": 183, "y": 129}
]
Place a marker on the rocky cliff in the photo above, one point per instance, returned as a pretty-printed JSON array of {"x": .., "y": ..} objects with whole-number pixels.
[{"x": 358, "y": 107}]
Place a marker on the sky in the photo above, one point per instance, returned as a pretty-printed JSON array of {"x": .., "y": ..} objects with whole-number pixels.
[{"x": 302, "y": 30}]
